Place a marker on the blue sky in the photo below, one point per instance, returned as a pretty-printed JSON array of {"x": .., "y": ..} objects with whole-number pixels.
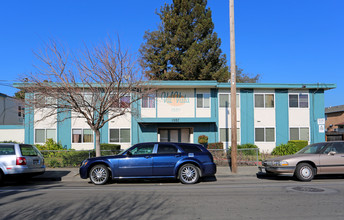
[{"x": 285, "y": 41}]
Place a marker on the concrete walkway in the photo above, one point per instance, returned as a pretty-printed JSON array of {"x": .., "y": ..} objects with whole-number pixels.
[{"x": 72, "y": 174}]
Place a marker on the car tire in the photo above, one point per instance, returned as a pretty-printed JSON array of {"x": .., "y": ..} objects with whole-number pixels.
[
  {"x": 189, "y": 174},
  {"x": 99, "y": 174},
  {"x": 304, "y": 172}
]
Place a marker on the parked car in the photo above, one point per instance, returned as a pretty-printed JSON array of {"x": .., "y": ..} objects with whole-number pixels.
[
  {"x": 186, "y": 162},
  {"x": 314, "y": 159},
  {"x": 20, "y": 160}
]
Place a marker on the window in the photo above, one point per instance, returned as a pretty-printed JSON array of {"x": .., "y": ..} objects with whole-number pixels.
[
  {"x": 124, "y": 102},
  {"x": 7, "y": 150},
  {"x": 225, "y": 135},
  {"x": 264, "y": 100},
  {"x": 27, "y": 150},
  {"x": 167, "y": 149},
  {"x": 121, "y": 135},
  {"x": 42, "y": 135},
  {"x": 299, "y": 134},
  {"x": 42, "y": 101},
  {"x": 148, "y": 101},
  {"x": 224, "y": 100},
  {"x": 142, "y": 149},
  {"x": 298, "y": 100},
  {"x": 203, "y": 100},
  {"x": 264, "y": 134},
  {"x": 82, "y": 136},
  {"x": 190, "y": 148}
]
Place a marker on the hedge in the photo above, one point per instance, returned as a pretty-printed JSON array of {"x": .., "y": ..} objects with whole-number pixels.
[
  {"x": 299, "y": 144},
  {"x": 218, "y": 145},
  {"x": 285, "y": 149}
]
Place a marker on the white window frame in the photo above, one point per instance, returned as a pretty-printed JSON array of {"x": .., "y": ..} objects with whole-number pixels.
[
  {"x": 150, "y": 96},
  {"x": 82, "y": 136},
  {"x": 229, "y": 101},
  {"x": 203, "y": 100},
  {"x": 298, "y": 99},
  {"x": 229, "y": 137},
  {"x": 265, "y": 135},
  {"x": 45, "y": 134},
  {"x": 264, "y": 94},
  {"x": 299, "y": 128},
  {"x": 119, "y": 136}
]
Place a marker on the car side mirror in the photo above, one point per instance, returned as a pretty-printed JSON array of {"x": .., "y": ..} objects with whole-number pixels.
[{"x": 331, "y": 153}]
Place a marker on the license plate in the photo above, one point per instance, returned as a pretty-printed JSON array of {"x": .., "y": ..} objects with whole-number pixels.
[{"x": 35, "y": 162}]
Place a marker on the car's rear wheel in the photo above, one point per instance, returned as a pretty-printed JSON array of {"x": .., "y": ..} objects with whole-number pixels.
[
  {"x": 304, "y": 172},
  {"x": 99, "y": 174},
  {"x": 189, "y": 174}
]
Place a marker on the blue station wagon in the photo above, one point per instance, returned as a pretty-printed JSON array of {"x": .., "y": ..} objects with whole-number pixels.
[{"x": 183, "y": 161}]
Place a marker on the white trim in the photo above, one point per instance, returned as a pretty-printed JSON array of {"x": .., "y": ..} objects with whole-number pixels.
[
  {"x": 82, "y": 136},
  {"x": 264, "y": 94},
  {"x": 203, "y": 93},
  {"x": 45, "y": 134},
  {"x": 119, "y": 136},
  {"x": 298, "y": 99},
  {"x": 265, "y": 135},
  {"x": 299, "y": 128}
]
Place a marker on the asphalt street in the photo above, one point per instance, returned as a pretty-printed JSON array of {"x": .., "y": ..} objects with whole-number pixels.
[{"x": 226, "y": 197}]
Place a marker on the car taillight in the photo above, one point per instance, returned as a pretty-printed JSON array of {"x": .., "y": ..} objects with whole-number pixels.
[{"x": 21, "y": 161}]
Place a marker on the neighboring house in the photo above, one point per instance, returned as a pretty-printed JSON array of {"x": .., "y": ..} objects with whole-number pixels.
[
  {"x": 181, "y": 111},
  {"x": 11, "y": 119},
  {"x": 334, "y": 123}
]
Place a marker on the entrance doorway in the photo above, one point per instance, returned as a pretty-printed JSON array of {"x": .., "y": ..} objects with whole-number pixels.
[{"x": 184, "y": 135}]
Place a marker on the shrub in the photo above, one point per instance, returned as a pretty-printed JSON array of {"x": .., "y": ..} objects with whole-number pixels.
[
  {"x": 111, "y": 149},
  {"x": 203, "y": 139},
  {"x": 299, "y": 144},
  {"x": 50, "y": 144},
  {"x": 15, "y": 142},
  {"x": 218, "y": 145},
  {"x": 285, "y": 149},
  {"x": 54, "y": 163},
  {"x": 74, "y": 158},
  {"x": 248, "y": 152}
]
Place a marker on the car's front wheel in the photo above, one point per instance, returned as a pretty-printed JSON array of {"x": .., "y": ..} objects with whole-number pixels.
[
  {"x": 188, "y": 174},
  {"x": 99, "y": 174},
  {"x": 304, "y": 172}
]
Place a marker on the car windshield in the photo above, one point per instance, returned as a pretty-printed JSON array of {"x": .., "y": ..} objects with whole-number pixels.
[{"x": 313, "y": 149}]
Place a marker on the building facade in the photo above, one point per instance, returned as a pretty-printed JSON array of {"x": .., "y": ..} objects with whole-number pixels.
[
  {"x": 335, "y": 123},
  {"x": 11, "y": 119},
  {"x": 181, "y": 111}
]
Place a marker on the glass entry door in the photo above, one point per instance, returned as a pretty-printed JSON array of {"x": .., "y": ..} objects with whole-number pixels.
[{"x": 174, "y": 135}]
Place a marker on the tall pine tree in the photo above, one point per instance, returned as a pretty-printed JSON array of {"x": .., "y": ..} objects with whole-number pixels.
[{"x": 185, "y": 46}]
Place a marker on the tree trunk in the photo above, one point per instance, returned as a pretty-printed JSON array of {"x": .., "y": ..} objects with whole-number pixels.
[{"x": 97, "y": 143}]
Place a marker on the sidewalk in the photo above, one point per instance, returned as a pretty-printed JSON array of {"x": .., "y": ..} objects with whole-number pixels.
[{"x": 72, "y": 174}]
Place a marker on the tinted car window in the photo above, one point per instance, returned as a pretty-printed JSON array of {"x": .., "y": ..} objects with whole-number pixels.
[
  {"x": 28, "y": 150},
  {"x": 313, "y": 149},
  {"x": 7, "y": 150},
  {"x": 142, "y": 149},
  {"x": 335, "y": 147},
  {"x": 190, "y": 148},
  {"x": 167, "y": 149}
]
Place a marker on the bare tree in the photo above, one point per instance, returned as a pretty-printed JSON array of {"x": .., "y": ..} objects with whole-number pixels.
[{"x": 98, "y": 83}]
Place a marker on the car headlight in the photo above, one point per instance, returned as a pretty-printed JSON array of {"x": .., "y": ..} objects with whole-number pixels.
[{"x": 280, "y": 163}]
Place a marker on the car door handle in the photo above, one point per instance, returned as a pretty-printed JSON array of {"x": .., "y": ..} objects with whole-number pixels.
[{"x": 148, "y": 157}]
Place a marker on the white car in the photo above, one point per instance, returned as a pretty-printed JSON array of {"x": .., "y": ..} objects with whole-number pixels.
[{"x": 20, "y": 160}]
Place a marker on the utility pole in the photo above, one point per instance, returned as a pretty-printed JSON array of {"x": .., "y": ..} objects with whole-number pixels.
[{"x": 233, "y": 89}]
